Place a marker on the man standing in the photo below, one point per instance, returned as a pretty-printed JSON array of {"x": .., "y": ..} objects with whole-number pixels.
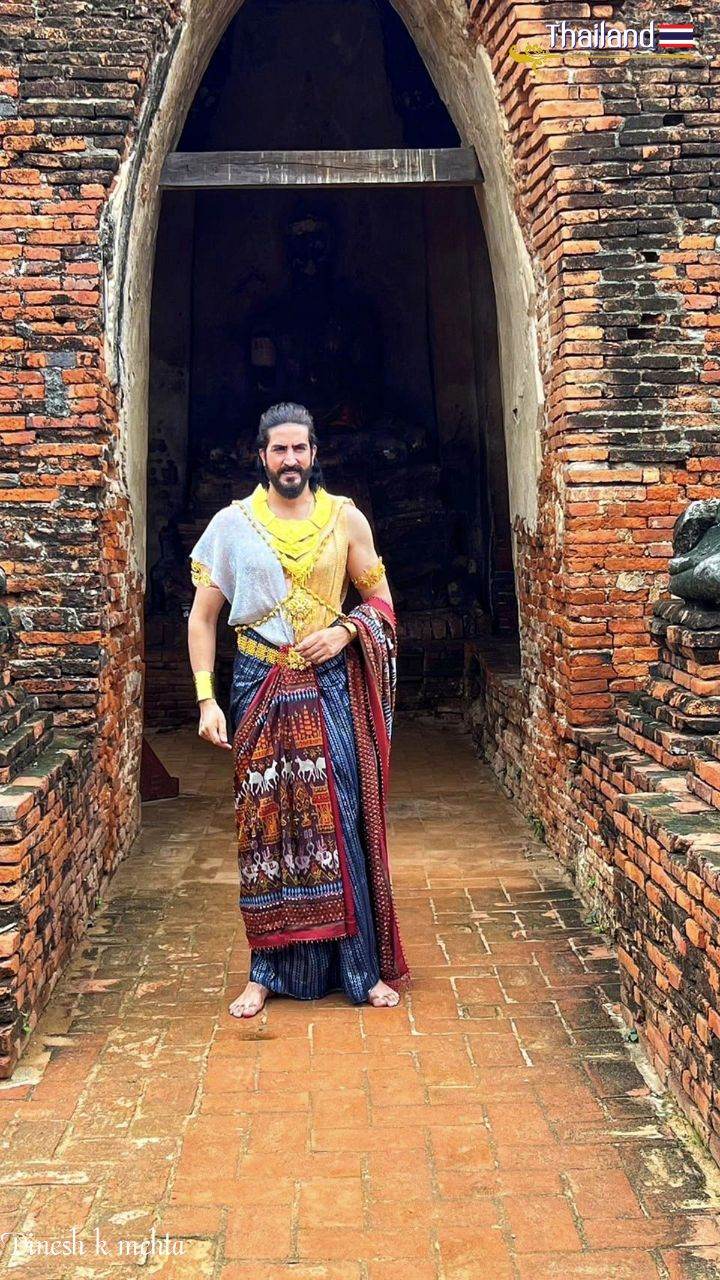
[{"x": 311, "y": 706}]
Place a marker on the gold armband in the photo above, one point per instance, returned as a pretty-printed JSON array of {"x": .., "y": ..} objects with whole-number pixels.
[
  {"x": 200, "y": 574},
  {"x": 204, "y": 685},
  {"x": 371, "y": 576}
]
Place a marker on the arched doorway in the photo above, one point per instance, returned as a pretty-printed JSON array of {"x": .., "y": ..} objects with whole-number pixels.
[
  {"x": 493, "y": 242},
  {"x": 371, "y": 304}
]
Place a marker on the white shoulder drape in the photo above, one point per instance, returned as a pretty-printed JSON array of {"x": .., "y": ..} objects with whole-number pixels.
[{"x": 243, "y": 566}]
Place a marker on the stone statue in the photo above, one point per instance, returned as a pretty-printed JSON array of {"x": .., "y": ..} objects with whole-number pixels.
[
  {"x": 167, "y": 585},
  {"x": 695, "y": 566}
]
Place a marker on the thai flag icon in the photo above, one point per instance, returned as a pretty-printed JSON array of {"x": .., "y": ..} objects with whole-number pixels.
[{"x": 675, "y": 35}]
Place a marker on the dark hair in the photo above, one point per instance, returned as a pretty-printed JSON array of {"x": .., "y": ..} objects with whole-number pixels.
[{"x": 276, "y": 416}]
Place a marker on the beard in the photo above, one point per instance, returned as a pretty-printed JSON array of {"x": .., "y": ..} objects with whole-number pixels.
[{"x": 289, "y": 482}]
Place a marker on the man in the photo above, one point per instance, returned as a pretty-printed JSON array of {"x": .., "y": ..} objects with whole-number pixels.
[{"x": 311, "y": 707}]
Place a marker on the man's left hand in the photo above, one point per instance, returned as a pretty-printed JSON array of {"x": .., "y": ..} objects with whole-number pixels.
[{"x": 324, "y": 644}]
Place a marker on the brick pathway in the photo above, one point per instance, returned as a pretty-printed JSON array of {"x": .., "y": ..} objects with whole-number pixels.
[{"x": 494, "y": 1125}]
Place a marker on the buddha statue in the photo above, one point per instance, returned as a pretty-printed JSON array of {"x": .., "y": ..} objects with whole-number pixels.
[{"x": 318, "y": 342}]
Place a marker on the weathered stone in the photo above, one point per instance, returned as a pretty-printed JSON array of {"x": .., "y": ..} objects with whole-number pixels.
[{"x": 695, "y": 566}]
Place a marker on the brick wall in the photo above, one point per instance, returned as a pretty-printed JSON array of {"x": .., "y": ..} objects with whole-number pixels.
[
  {"x": 617, "y": 203},
  {"x": 653, "y": 867},
  {"x": 70, "y": 95},
  {"x": 619, "y": 206}
]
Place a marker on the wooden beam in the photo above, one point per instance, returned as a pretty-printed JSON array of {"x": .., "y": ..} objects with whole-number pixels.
[{"x": 259, "y": 170}]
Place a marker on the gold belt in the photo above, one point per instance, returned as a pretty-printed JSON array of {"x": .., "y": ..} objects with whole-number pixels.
[{"x": 276, "y": 657}]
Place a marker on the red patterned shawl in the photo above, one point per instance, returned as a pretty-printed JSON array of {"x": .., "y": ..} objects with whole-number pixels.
[{"x": 372, "y": 683}]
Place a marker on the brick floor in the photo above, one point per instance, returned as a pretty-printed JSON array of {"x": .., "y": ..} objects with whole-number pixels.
[{"x": 494, "y": 1125}]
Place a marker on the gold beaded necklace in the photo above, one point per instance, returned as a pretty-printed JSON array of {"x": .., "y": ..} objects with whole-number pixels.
[{"x": 297, "y": 543}]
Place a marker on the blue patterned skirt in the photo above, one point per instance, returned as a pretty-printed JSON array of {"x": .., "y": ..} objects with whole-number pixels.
[{"x": 308, "y": 970}]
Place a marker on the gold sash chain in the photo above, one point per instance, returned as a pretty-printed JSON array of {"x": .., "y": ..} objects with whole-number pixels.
[
  {"x": 275, "y": 657},
  {"x": 330, "y": 608}
]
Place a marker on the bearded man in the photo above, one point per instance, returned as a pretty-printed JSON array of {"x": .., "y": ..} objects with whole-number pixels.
[{"x": 310, "y": 718}]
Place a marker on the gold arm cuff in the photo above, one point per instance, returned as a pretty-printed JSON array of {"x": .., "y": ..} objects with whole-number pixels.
[
  {"x": 200, "y": 574},
  {"x": 204, "y": 685},
  {"x": 349, "y": 626},
  {"x": 371, "y": 576}
]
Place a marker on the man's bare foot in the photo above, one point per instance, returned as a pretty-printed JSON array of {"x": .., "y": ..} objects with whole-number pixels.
[
  {"x": 250, "y": 1001},
  {"x": 381, "y": 995}
]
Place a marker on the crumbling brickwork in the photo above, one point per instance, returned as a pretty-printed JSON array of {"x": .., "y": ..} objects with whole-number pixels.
[
  {"x": 51, "y": 852},
  {"x": 71, "y": 90},
  {"x": 611, "y": 162},
  {"x": 613, "y": 165}
]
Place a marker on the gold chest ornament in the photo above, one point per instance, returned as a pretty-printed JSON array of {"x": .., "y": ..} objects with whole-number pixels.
[{"x": 297, "y": 544}]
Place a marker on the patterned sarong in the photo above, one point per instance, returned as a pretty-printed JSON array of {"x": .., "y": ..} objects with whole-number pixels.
[{"x": 294, "y": 876}]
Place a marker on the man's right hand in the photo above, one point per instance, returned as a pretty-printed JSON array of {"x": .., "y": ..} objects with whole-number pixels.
[{"x": 212, "y": 724}]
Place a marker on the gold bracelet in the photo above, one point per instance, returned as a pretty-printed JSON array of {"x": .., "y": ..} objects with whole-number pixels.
[
  {"x": 204, "y": 685},
  {"x": 349, "y": 626},
  {"x": 371, "y": 576}
]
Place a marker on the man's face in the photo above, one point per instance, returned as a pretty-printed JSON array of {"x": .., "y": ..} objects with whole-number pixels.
[{"x": 288, "y": 459}]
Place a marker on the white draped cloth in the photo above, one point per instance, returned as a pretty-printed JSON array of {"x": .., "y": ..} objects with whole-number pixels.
[{"x": 246, "y": 570}]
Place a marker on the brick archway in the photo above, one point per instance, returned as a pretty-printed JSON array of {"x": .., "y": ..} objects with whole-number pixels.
[
  {"x": 462, "y": 74},
  {"x": 465, "y": 82}
]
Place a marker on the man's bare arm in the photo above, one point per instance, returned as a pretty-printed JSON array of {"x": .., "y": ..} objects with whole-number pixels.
[
  {"x": 202, "y": 640},
  {"x": 363, "y": 556}
]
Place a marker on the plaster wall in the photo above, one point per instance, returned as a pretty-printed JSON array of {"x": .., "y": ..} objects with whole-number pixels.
[{"x": 170, "y": 356}]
